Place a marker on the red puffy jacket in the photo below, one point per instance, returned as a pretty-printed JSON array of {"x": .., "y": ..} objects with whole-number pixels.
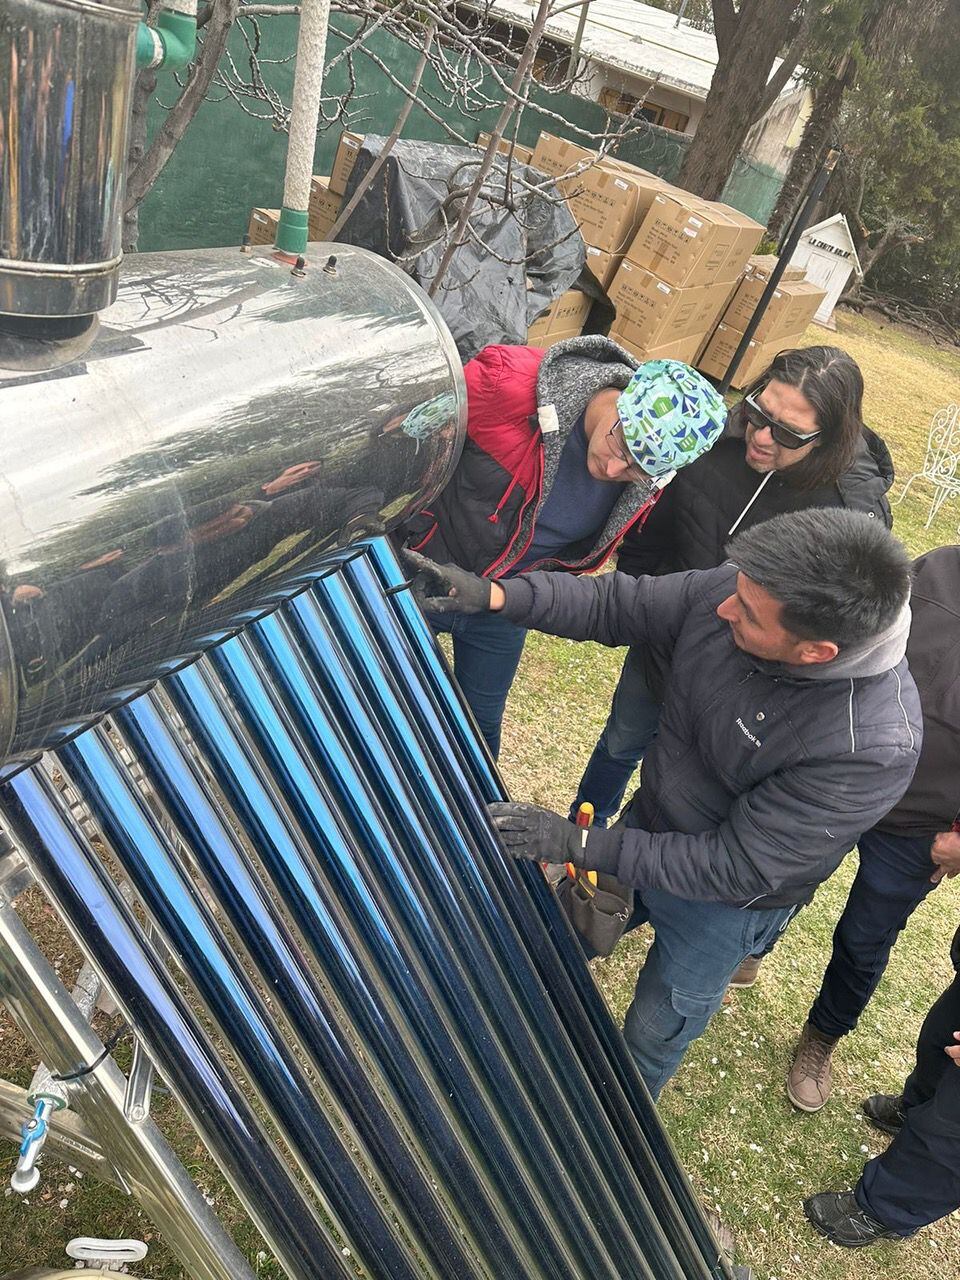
[{"x": 485, "y": 518}]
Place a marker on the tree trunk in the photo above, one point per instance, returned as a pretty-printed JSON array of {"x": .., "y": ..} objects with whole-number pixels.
[
  {"x": 143, "y": 91},
  {"x": 895, "y": 236},
  {"x": 742, "y": 89},
  {"x": 817, "y": 135},
  {"x": 142, "y": 94}
]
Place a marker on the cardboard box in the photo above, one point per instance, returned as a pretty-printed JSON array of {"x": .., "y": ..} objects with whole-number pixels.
[
  {"x": 545, "y": 340},
  {"x": 748, "y": 235},
  {"x": 323, "y": 208},
  {"x": 603, "y": 265},
  {"x": 555, "y": 156},
  {"x": 687, "y": 241},
  {"x": 344, "y": 160},
  {"x": 651, "y": 312},
  {"x": 262, "y": 227},
  {"x": 762, "y": 265},
  {"x": 791, "y": 307},
  {"x": 721, "y": 348},
  {"x": 566, "y": 315},
  {"x": 523, "y": 155},
  {"x": 685, "y": 350},
  {"x": 608, "y": 199}
]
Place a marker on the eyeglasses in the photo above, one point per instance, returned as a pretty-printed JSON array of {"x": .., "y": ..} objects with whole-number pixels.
[
  {"x": 783, "y": 435},
  {"x": 619, "y": 449}
]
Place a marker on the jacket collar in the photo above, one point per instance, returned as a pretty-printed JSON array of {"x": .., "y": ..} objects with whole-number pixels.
[{"x": 871, "y": 658}]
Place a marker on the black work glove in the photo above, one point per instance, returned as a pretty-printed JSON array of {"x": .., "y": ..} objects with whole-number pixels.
[
  {"x": 527, "y": 831},
  {"x": 443, "y": 588}
]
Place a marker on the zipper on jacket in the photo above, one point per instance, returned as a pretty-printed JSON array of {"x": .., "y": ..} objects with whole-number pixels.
[
  {"x": 498, "y": 564},
  {"x": 494, "y": 516},
  {"x": 600, "y": 557}
]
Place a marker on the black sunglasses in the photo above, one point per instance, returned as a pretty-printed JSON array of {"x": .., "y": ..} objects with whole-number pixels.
[{"x": 783, "y": 435}]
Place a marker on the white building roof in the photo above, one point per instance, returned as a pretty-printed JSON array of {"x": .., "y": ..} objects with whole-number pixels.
[
  {"x": 835, "y": 231},
  {"x": 636, "y": 38}
]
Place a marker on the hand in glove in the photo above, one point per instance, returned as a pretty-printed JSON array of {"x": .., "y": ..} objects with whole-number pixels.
[
  {"x": 443, "y": 588},
  {"x": 527, "y": 831}
]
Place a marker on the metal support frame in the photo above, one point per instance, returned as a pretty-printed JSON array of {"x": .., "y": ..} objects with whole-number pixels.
[{"x": 94, "y": 1135}]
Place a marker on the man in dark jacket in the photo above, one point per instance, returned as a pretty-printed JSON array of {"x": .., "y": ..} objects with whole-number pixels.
[
  {"x": 795, "y": 441},
  {"x": 789, "y": 724},
  {"x": 556, "y": 468},
  {"x": 917, "y": 1179},
  {"x": 910, "y": 850}
]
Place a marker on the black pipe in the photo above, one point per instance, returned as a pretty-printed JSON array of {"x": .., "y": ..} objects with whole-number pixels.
[{"x": 785, "y": 252}]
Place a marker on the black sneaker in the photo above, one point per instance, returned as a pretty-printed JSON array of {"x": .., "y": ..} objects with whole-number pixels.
[
  {"x": 885, "y": 1112},
  {"x": 836, "y": 1215}
]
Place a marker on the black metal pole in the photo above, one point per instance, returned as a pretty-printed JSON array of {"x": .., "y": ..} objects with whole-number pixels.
[{"x": 787, "y": 246}]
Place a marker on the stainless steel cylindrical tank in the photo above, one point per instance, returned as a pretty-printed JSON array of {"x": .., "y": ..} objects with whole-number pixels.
[
  {"x": 67, "y": 69},
  {"x": 234, "y": 421}
]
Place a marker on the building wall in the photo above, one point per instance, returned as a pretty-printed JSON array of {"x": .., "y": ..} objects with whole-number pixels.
[
  {"x": 773, "y": 139},
  {"x": 598, "y": 78}
]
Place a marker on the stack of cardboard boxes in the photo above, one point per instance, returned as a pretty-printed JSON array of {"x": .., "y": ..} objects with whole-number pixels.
[
  {"x": 326, "y": 197},
  {"x": 789, "y": 311},
  {"x": 680, "y": 271},
  {"x": 262, "y": 227},
  {"x": 670, "y": 262},
  {"x": 607, "y": 197}
]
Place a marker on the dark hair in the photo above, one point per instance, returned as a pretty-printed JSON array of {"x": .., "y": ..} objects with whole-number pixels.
[
  {"x": 832, "y": 382},
  {"x": 838, "y": 575}
]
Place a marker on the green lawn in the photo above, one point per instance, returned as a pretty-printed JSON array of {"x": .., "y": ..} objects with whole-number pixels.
[{"x": 748, "y": 1152}]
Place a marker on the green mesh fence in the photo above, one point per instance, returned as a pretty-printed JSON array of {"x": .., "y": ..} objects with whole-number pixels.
[{"x": 231, "y": 161}]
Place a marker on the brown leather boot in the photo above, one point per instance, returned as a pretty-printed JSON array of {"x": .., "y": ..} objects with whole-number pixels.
[
  {"x": 748, "y": 972},
  {"x": 808, "y": 1083}
]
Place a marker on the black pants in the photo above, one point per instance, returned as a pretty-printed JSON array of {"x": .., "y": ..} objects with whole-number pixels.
[
  {"x": 917, "y": 1179},
  {"x": 892, "y": 880}
]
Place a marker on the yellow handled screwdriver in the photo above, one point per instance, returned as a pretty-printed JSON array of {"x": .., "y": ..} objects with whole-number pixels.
[{"x": 583, "y": 819}]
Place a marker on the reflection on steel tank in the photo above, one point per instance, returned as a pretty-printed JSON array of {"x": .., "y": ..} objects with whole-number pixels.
[{"x": 233, "y": 422}]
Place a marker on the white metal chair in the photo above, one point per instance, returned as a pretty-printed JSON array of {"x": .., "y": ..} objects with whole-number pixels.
[{"x": 941, "y": 463}]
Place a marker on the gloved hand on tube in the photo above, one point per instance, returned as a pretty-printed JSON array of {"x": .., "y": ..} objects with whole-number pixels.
[
  {"x": 443, "y": 588},
  {"x": 527, "y": 831}
]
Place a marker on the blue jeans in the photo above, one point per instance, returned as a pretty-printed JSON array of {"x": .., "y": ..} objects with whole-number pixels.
[
  {"x": 630, "y": 729},
  {"x": 486, "y": 654},
  {"x": 892, "y": 880},
  {"x": 696, "y": 950},
  {"x": 917, "y": 1179}
]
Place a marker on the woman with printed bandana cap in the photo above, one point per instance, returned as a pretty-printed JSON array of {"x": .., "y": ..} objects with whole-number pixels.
[{"x": 566, "y": 451}]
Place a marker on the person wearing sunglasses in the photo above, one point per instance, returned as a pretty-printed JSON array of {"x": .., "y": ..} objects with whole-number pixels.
[
  {"x": 796, "y": 440},
  {"x": 566, "y": 450}
]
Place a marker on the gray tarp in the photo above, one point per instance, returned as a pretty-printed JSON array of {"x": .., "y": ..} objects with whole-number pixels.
[{"x": 516, "y": 261}]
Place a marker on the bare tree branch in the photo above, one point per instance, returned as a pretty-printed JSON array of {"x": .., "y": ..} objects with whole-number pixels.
[
  {"x": 524, "y": 68},
  {"x": 372, "y": 173},
  {"x": 204, "y": 69}
]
